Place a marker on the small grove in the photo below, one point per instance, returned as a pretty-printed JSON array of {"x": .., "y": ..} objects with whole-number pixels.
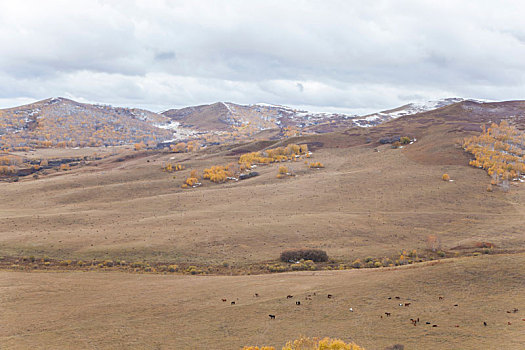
[
  {"x": 274, "y": 155},
  {"x": 500, "y": 150},
  {"x": 222, "y": 173},
  {"x": 305, "y": 343}
]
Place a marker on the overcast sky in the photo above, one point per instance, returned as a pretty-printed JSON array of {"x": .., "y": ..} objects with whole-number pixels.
[{"x": 349, "y": 56}]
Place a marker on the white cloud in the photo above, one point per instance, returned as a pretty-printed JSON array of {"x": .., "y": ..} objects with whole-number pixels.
[{"x": 345, "y": 55}]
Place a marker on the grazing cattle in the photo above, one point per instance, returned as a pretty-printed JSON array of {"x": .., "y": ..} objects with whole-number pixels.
[
  {"x": 418, "y": 319},
  {"x": 256, "y": 295},
  {"x": 388, "y": 314},
  {"x": 515, "y": 310},
  {"x": 315, "y": 294},
  {"x": 485, "y": 323},
  {"x": 440, "y": 298},
  {"x": 307, "y": 298},
  {"x": 223, "y": 300},
  {"x": 329, "y": 296},
  {"x": 508, "y": 311},
  {"x": 456, "y": 305},
  {"x": 297, "y": 303},
  {"x": 389, "y": 298},
  {"x": 508, "y": 323},
  {"x": 289, "y": 296},
  {"x": 434, "y": 325},
  {"x": 407, "y": 304},
  {"x": 457, "y": 326},
  {"x": 351, "y": 310},
  {"x": 233, "y": 303},
  {"x": 400, "y": 304},
  {"x": 398, "y": 298},
  {"x": 427, "y": 322},
  {"x": 272, "y": 317}
]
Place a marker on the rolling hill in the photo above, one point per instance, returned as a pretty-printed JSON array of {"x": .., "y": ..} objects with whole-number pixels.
[{"x": 104, "y": 254}]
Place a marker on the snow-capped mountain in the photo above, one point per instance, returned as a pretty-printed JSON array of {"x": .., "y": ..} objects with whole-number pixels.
[{"x": 409, "y": 109}]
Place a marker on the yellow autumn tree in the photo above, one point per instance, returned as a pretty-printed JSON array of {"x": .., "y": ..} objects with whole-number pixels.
[{"x": 312, "y": 344}]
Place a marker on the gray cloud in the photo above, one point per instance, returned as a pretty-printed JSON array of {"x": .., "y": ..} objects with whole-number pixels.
[{"x": 337, "y": 55}]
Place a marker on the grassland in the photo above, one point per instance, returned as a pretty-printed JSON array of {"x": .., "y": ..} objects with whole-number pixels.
[
  {"x": 96, "y": 310},
  {"x": 368, "y": 200},
  {"x": 364, "y": 203}
]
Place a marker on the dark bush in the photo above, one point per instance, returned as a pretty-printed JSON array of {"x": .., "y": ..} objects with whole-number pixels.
[
  {"x": 395, "y": 347},
  {"x": 247, "y": 176},
  {"x": 293, "y": 255}
]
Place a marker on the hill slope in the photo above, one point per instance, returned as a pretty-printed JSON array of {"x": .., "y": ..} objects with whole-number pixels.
[{"x": 59, "y": 121}]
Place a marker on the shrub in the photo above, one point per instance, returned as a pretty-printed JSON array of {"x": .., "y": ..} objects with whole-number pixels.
[
  {"x": 405, "y": 140},
  {"x": 320, "y": 344},
  {"x": 316, "y": 165},
  {"x": 276, "y": 268},
  {"x": 445, "y": 177},
  {"x": 193, "y": 270},
  {"x": 316, "y": 255},
  {"x": 191, "y": 181},
  {"x": 356, "y": 264},
  {"x": 172, "y": 268},
  {"x": 304, "y": 265}
]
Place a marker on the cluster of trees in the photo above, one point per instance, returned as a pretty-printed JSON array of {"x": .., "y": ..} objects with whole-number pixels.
[
  {"x": 219, "y": 173},
  {"x": 67, "y": 126},
  {"x": 500, "y": 150},
  {"x": 7, "y": 169},
  {"x": 293, "y": 255},
  {"x": 183, "y": 147},
  {"x": 170, "y": 167},
  {"x": 316, "y": 165},
  {"x": 192, "y": 180},
  {"x": 283, "y": 172},
  {"x": 10, "y": 160},
  {"x": 279, "y": 154},
  {"x": 305, "y": 343}
]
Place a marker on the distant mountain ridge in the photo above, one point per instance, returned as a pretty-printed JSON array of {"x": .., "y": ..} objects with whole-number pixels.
[
  {"x": 66, "y": 123},
  {"x": 62, "y": 122}
]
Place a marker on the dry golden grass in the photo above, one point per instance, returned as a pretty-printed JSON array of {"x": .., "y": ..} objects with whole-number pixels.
[
  {"x": 86, "y": 310},
  {"x": 363, "y": 203}
]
